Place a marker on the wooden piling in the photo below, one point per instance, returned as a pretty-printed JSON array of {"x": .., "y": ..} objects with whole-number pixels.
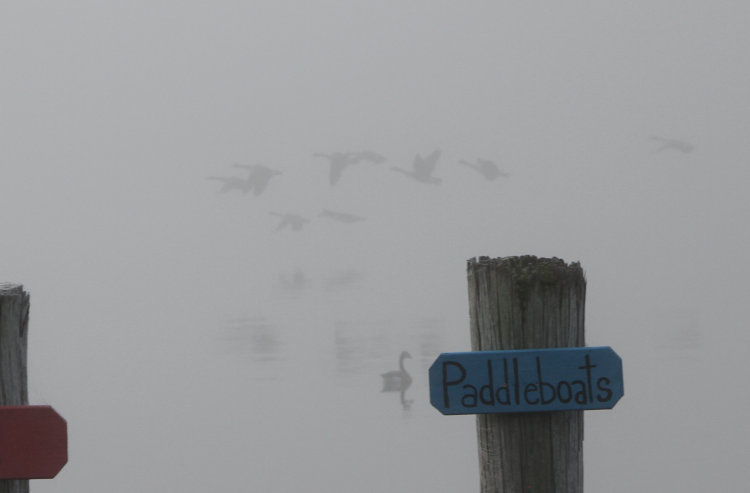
[
  {"x": 528, "y": 303},
  {"x": 14, "y": 323}
]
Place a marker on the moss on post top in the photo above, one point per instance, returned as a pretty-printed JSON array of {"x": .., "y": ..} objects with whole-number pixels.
[{"x": 531, "y": 269}]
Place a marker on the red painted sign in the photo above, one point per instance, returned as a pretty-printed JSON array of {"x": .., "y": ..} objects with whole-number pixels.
[{"x": 33, "y": 442}]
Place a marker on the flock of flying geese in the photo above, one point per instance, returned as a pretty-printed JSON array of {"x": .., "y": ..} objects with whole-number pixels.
[{"x": 422, "y": 170}]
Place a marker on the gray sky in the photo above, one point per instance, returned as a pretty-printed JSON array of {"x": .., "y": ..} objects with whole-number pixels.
[{"x": 114, "y": 113}]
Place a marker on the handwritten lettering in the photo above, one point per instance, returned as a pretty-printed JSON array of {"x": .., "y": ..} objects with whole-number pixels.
[{"x": 507, "y": 383}]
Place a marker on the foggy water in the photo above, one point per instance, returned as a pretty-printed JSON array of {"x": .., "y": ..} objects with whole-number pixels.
[{"x": 193, "y": 343}]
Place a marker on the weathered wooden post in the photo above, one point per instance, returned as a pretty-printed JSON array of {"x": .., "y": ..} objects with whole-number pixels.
[
  {"x": 14, "y": 323},
  {"x": 529, "y": 376},
  {"x": 33, "y": 439},
  {"x": 524, "y": 303}
]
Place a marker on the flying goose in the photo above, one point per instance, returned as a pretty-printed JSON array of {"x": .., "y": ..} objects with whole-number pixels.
[
  {"x": 232, "y": 183},
  {"x": 292, "y": 221},
  {"x": 337, "y": 161},
  {"x": 422, "y": 168},
  {"x": 259, "y": 176},
  {"x": 486, "y": 168}
]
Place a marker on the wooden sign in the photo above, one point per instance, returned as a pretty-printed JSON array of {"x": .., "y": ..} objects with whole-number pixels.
[
  {"x": 533, "y": 380},
  {"x": 33, "y": 442}
]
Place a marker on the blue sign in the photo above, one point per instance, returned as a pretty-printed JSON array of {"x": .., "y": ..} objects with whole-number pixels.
[{"x": 528, "y": 380}]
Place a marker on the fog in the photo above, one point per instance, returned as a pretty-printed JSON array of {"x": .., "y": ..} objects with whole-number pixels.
[{"x": 193, "y": 344}]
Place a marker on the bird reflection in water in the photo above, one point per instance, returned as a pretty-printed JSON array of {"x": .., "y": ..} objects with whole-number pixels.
[
  {"x": 346, "y": 279},
  {"x": 357, "y": 343},
  {"x": 253, "y": 335},
  {"x": 398, "y": 381},
  {"x": 295, "y": 283}
]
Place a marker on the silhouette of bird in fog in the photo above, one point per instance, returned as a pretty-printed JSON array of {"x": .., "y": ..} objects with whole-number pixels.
[
  {"x": 341, "y": 216},
  {"x": 674, "y": 144},
  {"x": 422, "y": 168},
  {"x": 232, "y": 183},
  {"x": 337, "y": 161},
  {"x": 397, "y": 380},
  {"x": 486, "y": 168},
  {"x": 292, "y": 221},
  {"x": 259, "y": 176}
]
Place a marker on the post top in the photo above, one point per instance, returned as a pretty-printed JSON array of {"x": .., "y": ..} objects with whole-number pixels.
[
  {"x": 530, "y": 267},
  {"x": 10, "y": 288}
]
